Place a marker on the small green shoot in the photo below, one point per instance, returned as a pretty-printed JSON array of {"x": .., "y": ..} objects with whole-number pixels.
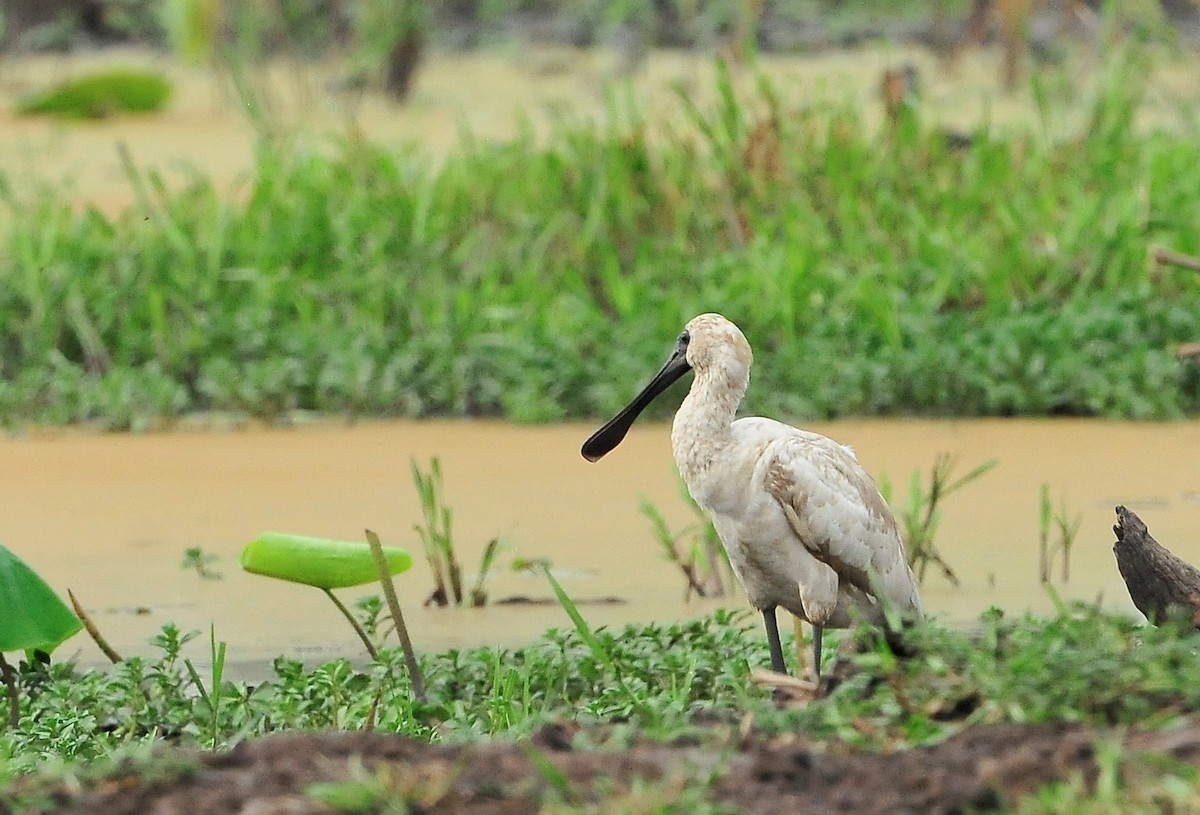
[
  {"x": 1066, "y": 528},
  {"x": 581, "y": 627},
  {"x": 599, "y": 652},
  {"x": 700, "y": 541},
  {"x": 438, "y": 542},
  {"x": 479, "y": 594},
  {"x": 201, "y": 562},
  {"x": 920, "y": 518},
  {"x": 212, "y": 696}
]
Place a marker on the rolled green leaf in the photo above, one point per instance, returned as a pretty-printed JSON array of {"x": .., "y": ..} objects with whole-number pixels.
[
  {"x": 33, "y": 616},
  {"x": 320, "y": 562}
]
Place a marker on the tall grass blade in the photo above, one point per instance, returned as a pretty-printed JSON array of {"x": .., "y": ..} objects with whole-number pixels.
[{"x": 389, "y": 593}]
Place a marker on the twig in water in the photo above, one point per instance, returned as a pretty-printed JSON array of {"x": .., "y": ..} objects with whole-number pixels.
[
  {"x": 670, "y": 547},
  {"x": 704, "y": 539}
]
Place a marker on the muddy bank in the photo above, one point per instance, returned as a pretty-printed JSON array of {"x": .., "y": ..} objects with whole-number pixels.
[{"x": 977, "y": 770}]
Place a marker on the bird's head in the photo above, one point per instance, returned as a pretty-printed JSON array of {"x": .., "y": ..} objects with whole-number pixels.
[
  {"x": 715, "y": 344},
  {"x": 710, "y": 344}
]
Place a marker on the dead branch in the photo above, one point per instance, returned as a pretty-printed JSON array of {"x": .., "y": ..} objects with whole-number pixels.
[{"x": 1157, "y": 580}]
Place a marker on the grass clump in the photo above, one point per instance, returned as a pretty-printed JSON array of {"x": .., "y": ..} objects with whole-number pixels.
[
  {"x": 1081, "y": 665},
  {"x": 100, "y": 95},
  {"x": 686, "y": 681},
  {"x": 874, "y": 273},
  {"x": 668, "y": 671}
]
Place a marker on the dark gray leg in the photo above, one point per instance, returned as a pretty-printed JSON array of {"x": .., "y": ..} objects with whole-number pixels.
[
  {"x": 773, "y": 640},
  {"x": 818, "y": 630}
]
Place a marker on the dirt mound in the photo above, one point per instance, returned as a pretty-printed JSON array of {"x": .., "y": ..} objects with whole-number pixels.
[{"x": 975, "y": 770}]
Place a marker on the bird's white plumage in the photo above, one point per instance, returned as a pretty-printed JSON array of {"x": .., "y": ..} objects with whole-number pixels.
[{"x": 805, "y": 526}]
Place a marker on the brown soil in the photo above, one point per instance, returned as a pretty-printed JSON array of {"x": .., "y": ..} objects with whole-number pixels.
[{"x": 976, "y": 770}]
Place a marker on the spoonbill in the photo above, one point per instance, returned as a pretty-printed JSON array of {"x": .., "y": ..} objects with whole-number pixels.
[{"x": 804, "y": 525}]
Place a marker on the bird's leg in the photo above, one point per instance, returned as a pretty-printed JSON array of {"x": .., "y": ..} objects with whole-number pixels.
[
  {"x": 818, "y": 630},
  {"x": 773, "y": 640}
]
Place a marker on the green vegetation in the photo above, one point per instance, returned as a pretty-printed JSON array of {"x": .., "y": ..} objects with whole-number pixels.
[
  {"x": 326, "y": 565},
  {"x": 920, "y": 516},
  {"x": 875, "y": 274},
  {"x": 1066, "y": 527},
  {"x": 100, "y": 95},
  {"x": 320, "y": 562},
  {"x": 35, "y": 621},
  {"x": 438, "y": 542},
  {"x": 310, "y": 29},
  {"x": 662, "y": 681}
]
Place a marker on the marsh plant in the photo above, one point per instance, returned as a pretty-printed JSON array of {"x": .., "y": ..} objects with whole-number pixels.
[
  {"x": 1057, "y": 530},
  {"x": 920, "y": 515},
  {"x": 695, "y": 549},
  {"x": 438, "y": 543},
  {"x": 1078, "y": 664},
  {"x": 882, "y": 276},
  {"x": 203, "y": 563}
]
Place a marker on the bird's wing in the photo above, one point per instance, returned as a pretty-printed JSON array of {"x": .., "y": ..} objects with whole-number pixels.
[{"x": 837, "y": 512}]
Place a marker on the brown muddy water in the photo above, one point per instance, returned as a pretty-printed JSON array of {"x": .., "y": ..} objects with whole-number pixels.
[{"x": 110, "y": 516}]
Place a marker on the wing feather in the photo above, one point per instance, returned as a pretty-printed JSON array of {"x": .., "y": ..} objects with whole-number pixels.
[{"x": 838, "y": 513}]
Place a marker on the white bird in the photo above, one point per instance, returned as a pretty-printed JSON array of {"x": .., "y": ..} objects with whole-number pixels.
[{"x": 804, "y": 525}]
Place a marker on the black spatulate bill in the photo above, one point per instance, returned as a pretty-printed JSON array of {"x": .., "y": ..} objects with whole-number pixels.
[{"x": 609, "y": 436}]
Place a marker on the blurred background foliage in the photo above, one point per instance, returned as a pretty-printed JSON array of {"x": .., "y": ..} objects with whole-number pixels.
[
  {"x": 883, "y": 270},
  {"x": 387, "y": 37}
]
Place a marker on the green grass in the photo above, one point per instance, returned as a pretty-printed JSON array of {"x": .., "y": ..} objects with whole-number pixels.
[
  {"x": 654, "y": 681},
  {"x": 100, "y": 95},
  {"x": 874, "y": 274}
]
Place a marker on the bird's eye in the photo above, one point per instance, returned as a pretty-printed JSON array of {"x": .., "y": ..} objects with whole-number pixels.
[{"x": 685, "y": 338}]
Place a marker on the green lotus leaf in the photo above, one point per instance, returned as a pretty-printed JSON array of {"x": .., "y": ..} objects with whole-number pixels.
[
  {"x": 320, "y": 562},
  {"x": 34, "y": 618}
]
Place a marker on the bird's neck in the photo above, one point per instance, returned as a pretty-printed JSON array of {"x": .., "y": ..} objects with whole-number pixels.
[{"x": 702, "y": 427}]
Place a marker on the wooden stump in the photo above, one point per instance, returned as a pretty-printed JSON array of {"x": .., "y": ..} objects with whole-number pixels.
[{"x": 1159, "y": 583}]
